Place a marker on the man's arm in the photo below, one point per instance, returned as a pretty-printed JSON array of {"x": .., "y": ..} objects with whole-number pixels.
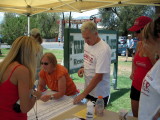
[
  {"x": 132, "y": 44},
  {"x": 95, "y": 80}
]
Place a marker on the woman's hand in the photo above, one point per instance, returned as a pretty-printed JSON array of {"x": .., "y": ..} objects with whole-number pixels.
[
  {"x": 131, "y": 76},
  {"x": 38, "y": 94},
  {"x": 45, "y": 98}
]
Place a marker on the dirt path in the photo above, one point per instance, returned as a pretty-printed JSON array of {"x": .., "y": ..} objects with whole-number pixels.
[{"x": 124, "y": 68}]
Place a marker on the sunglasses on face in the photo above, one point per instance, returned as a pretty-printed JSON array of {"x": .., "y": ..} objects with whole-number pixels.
[{"x": 44, "y": 63}]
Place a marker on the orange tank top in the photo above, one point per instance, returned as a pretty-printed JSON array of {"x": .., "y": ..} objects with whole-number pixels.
[{"x": 52, "y": 80}]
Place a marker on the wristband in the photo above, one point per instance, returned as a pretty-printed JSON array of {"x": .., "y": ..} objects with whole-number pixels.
[{"x": 33, "y": 96}]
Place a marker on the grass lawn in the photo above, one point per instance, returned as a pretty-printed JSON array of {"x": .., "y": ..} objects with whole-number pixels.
[{"x": 119, "y": 98}]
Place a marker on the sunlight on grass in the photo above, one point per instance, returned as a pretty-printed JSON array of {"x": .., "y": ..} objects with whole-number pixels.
[
  {"x": 4, "y": 52},
  {"x": 57, "y": 53}
]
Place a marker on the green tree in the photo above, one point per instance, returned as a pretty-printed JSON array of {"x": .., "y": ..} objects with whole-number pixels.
[
  {"x": 15, "y": 25},
  {"x": 12, "y": 26},
  {"x": 47, "y": 23},
  {"x": 122, "y": 18}
]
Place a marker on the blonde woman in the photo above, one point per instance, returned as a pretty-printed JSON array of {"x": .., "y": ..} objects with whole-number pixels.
[
  {"x": 17, "y": 79},
  {"x": 149, "y": 104},
  {"x": 142, "y": 63}
]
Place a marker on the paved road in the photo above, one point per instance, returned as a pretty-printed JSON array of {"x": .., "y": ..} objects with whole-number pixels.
[
  {"x": 47, "y": 45},
  {"x": 4, "y": 46},
  {"x": 52, "y": 45}
]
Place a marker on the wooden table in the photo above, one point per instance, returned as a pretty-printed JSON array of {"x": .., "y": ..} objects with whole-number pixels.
[{"x": 108, "y": 115}]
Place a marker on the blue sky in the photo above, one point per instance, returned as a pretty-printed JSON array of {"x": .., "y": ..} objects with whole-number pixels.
[
  {"x": 84, "y": 15},
  {"x": 1, "y": 16}
]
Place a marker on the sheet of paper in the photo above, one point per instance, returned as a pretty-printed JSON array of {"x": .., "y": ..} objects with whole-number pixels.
[
  {"x": 51, "y": 108},
  {"x": 82, "y": 114}
]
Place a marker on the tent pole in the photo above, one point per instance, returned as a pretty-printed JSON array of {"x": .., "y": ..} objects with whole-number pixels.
[{"x": 28, "y": 25}]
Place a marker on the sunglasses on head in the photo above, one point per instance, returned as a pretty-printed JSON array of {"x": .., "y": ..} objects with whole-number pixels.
[{"x": 44, "y": 63}]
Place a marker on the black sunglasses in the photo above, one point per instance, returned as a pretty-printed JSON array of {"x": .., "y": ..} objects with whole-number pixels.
[{"x": 44, "y": 63}]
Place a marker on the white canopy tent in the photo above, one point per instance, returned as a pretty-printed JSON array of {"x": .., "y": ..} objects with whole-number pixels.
[{"x": 32, "y": 7}]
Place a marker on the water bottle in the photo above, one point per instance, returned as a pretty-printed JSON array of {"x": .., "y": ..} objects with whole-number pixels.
[
  {"x": 99, "y": 107},
  {"x": 90, "y": 111}
]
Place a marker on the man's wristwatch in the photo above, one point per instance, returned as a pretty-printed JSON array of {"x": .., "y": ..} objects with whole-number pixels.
[{"x": 52, "y": 97}]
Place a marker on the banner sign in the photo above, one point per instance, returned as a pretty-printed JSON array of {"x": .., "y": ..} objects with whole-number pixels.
[{"x": 74, "y": 47}]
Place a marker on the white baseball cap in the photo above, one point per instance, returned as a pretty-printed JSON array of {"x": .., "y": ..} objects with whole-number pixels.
[{"x": 129, "y": 35}]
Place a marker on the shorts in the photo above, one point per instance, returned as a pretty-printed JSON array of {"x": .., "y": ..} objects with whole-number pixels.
[
  {"x": 135, "y": 94},
  {"x": 91, "y": 98},
  {"x": 130, "y": 51}
]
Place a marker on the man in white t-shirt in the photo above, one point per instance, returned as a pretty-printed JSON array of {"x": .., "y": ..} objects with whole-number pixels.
[{"x": 96, "y": 70}]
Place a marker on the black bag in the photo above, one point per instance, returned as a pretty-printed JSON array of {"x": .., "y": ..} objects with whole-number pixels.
[{"x": 16, "y": 108}]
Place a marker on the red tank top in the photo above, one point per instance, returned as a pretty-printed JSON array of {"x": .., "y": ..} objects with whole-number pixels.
[
  {"x": 8, "y": 97},
  {"x": 142, "y": 66}
]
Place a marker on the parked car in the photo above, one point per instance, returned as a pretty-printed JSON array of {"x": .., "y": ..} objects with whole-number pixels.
[
  {"x": 121, "y": 44},
  {"x": 123, "y": 52},
  {"x": 1, "y": 40},
  {"x": 122, "y": 39},
  {"x": 121, "y": 48}
]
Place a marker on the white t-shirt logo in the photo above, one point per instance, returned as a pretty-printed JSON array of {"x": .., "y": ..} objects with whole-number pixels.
[{"x": 145, "y": 87}]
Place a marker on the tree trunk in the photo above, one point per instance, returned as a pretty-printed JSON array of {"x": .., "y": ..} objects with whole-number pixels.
[
  {"x": 157, "y": 12},
  {"x": 0, "y": 48}
]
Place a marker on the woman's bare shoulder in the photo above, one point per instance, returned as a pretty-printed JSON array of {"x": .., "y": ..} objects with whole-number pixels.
[
  {"x": 20, "y": 73},
  {"x": 22, "y": 70}
]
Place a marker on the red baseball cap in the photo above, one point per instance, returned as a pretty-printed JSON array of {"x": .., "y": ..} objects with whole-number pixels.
[{"x": 139, "y": 23}]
